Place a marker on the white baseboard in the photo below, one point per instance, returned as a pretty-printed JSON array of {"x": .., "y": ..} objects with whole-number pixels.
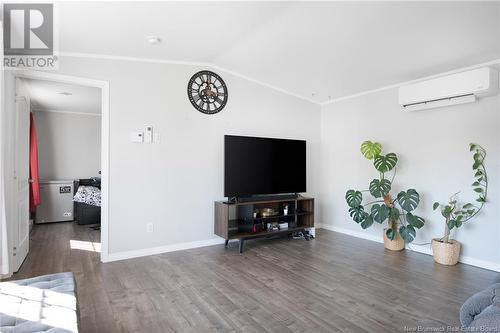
[
  {"x": 357, "y": 234},
  {"x": 425, "y": 249},
  {"x": 162, "y": 249},
  {"x": 480, "y": 263}
]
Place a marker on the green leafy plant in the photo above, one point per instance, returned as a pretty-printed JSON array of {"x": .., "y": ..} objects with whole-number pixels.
[
  {"x": 456, "y": 214},
  {"x": 398, "y": 211}
]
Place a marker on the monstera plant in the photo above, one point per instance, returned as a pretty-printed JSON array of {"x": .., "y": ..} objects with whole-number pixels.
[
  {"x": 446, "y": 251},
  {"x": 398, "y": 211}
]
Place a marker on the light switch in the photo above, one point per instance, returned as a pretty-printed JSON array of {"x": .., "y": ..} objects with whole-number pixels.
[
  {"x": 148, "y": 136},
  {"x": 137, "y": 137}
]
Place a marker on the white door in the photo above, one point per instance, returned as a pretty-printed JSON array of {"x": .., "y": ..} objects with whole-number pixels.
[{"x": 21, "y": 183}]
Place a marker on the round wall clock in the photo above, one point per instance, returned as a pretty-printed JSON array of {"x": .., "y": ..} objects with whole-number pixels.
[{"x": 207, "y": 92}]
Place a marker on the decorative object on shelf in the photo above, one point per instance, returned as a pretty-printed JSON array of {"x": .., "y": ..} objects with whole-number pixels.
[
  {"x": 283, "y": 225},
  {"x": 446, "y": 251},
  {"x": 402, "y": 223},
  {"x": 207, "y": 92},
  {"x": 256, "y": 228},
  {"x": 268, "y": 212},
  {"x": 285, "y": 210}
]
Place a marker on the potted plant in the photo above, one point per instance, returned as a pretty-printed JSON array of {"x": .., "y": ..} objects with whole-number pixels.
[
  {"x": 445, "y": 250},
  {"x": 402, "y": 223}
]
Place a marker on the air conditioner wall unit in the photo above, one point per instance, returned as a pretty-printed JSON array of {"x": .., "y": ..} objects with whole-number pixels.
[{"x": 448, "y": 90}]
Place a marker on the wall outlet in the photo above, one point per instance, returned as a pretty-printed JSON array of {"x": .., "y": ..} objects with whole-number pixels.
[{"x": 149, "y": 227}]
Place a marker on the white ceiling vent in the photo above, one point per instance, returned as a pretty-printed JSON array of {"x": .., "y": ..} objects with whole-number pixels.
[{"x": 449, "y": 90}]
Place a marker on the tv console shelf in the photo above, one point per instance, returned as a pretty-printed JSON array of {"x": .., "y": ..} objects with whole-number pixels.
[{"x": 245, "y": 220}]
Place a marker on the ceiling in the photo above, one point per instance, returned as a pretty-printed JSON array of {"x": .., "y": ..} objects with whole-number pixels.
[
  {"x": 317, "y": 50},
  {"x": 62, "y": 97}
]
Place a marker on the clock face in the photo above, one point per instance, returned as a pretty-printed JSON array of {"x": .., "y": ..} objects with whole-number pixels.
[{"x": 207, "y": 92}]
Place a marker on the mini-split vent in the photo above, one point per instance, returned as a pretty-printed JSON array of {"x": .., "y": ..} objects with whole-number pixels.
[
  {"x": 469, "y": 98},
  {"x": 448, "y": 90}
]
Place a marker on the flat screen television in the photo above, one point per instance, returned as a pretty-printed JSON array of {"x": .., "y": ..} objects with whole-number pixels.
[{"x": 260, "y": 166}]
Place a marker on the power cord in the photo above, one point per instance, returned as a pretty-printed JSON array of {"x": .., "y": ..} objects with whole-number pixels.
[{"x": 419, "y": 244}]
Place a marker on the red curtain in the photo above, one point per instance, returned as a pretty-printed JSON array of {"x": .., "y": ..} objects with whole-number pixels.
[{"x": 34, "y": 186}]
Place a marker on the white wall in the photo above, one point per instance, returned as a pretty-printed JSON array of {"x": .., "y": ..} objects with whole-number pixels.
[
  {"x": 432, "y": 147},
  {"x": 69, "y": 145},
  {"x": 174, "y": 183}
]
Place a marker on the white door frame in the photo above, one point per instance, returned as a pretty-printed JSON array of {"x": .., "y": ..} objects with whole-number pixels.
[{"x": 104, "y": 86}]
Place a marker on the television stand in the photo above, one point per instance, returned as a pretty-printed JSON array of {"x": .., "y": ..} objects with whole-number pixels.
[
  {"x": 259, "y": 198},
  {"x": 236, "y": 220},
  {"x": 278, "y": 233}
]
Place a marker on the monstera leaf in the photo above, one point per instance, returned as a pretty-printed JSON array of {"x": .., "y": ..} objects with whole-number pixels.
[
  {"x": 379, "y": 213},
  {"x": 415, "y": 221},
  {"x": 394, "y": 213},
  {"x": 385, "y": 163},
  {"x": 353, "y": 198},
  {"x": 379, "y": 188},
  {"x": 408, "y": 233},
  {"x": 358, "y": 214},
  {"x": 367, "y": 222},
  {"x": 390, "y": 234},
  {"x": 371, "y": 149},
  {"x": 409, "y": 200}
]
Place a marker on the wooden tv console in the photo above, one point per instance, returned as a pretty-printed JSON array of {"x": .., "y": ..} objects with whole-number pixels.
[{"x": 232, "y": 219}]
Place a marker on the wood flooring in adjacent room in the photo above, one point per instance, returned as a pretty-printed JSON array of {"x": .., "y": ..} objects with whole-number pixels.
[{"x": 331, "y": 284}]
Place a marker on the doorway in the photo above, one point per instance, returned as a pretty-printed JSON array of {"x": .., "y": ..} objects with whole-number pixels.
[{"x": 59, "y": 105}]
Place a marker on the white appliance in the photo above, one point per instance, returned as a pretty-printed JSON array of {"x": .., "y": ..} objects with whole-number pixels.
[
  {"x": 57, "y": 201},
  {"x": 448, "y": 90}
]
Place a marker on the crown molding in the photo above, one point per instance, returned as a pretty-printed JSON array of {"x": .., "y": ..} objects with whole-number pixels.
[
  {"x": 397, "y": 85},
  {"x": 68, "y": 112},
  {"x": 268, "y": 85},
  {"x": 187, "y": 63}
]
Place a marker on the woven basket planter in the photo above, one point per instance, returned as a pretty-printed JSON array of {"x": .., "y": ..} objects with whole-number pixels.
[
  {"x": 398, "y": 244},
  {"x": 445, "y": 253}
]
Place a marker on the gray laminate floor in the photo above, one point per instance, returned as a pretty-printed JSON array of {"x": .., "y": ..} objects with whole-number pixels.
[{"x": 332, "y": 284}]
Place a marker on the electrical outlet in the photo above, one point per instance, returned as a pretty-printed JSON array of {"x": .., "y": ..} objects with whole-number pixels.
[{"x": 149, "y": 227}]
